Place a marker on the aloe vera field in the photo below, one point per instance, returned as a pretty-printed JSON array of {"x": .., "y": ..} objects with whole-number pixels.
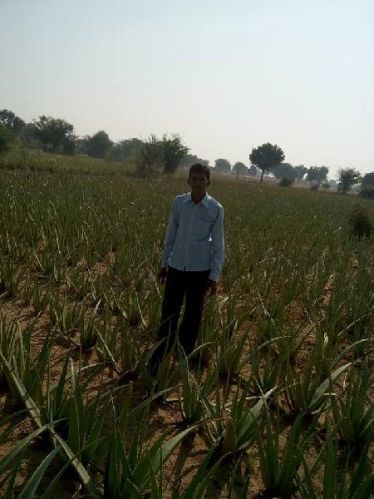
[{"x": 277, "y": 400}]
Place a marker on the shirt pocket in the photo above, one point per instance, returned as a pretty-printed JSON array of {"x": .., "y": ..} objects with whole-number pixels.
[{"x": 202, "y": 228}]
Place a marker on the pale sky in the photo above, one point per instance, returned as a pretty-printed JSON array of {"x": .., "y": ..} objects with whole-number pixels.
[{"x": 226, "y": 75}]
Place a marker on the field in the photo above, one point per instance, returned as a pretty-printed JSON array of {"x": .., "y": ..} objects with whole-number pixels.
[{"x": 278, "y": 399}]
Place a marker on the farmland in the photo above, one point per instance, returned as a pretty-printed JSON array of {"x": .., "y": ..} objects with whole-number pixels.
[{"x": 279, "y": 396}]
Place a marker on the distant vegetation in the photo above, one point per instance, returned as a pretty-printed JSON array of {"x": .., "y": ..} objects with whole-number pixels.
[
  {"x": 278, "y": 399},
  {"x": 166, "y": 154}
]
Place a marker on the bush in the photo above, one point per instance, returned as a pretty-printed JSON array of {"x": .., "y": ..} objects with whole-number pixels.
[
  {"x": 360, "y": 224},
  {"x": 6, "y": 137},
  {"x": 285, "y": 181},
  {"x": 367, "y": 191}
]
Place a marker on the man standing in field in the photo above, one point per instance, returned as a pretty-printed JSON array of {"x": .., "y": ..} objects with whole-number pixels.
[{"x": 191, "y": 263}]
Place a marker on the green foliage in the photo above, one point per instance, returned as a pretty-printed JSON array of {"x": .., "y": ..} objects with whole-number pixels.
[
  {"x": 368, "y": 179},
  {"x": 125, "y": 150},
  {"x": 80, "y": 245},
  {"x": 285, "y": 181},
  {"x": 285, "y": 170},
  {"x": 279, "y": 469},
  {"x": 222, "y": 165},
  {"x": 367, "y": 191},
  {"x": 13, "y": 123},
  {"x": 173, "y": 152},
  {"x": 300, "y": 171},
  {"x": 150, "y": 156},
  {"x": 266, "y": 157},
  {"x": 191, "y": 159},
  {"x": 55, "y": 134},
  {"x": 359, "y": 221},
  {"x": 353, "y": 413},
  {"x": 252, "y": 171},
  {"x": 99, "y": 145},
  {"x": 348, "y": 177},
  {"x": 165, "y": 154},
  {"x": 317, "y": 174},
  {"x": 239, "y": 168},
  {"x": 6, "y": 138}
]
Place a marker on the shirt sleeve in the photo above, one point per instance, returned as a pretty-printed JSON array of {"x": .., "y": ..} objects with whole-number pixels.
[
  {"x": 218, "y": 247},
  {"x": 171, "y": 233}
]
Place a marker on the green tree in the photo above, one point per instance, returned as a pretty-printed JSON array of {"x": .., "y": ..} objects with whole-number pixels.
[
  {"x": 348, "y": 177},
  {"x": 150, "y": 156},
  {"x": 125, "y": 150},
  {"x": 368, "y": 179},
  {"x": 6, "y": 138},
  {"x": 222, "y": 165},
  {"x": 300, "y": 171},
  {"x": 266, "y": 157},
  {"x": 285, "y": 170},
  {"x": 191, "y": 159},
  {"x": 54, "y": 134},
  {"x": 173, "y": 152},
  {"x": 13, "y": 123},
  {"x": 253, "y": 171},
  {"x": 317, "y": 174},
  {"x": 240, "y": 169},
  {"x": 367, "y": 186},
  {"x": 99, "y": 145}
]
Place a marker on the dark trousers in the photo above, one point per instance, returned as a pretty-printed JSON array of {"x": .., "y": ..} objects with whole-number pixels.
[{"x": 179, "y": 285}]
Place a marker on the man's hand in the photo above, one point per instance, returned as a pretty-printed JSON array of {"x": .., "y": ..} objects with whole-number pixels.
[
  {"x": 162, "y": 275},
  {"x": 212, "y": 287}
]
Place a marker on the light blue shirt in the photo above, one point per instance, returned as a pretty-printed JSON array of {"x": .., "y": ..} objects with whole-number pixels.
[{"x": 194, "y": 237}]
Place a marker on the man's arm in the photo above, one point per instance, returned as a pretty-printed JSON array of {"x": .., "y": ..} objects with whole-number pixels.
[
  {"x": 171, "y": 233},
  {"x": 218, "y": 247}
]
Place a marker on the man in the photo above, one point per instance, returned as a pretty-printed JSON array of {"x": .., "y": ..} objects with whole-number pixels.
[{"x": 191, "y": 262}]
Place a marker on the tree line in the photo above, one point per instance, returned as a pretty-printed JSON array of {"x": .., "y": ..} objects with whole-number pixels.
[
  {"x": 166, "y": 154},
  {"x": 57, "y": 136}
]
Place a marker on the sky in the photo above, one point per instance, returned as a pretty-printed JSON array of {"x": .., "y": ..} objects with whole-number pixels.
[{"x": 226, "y": 76}]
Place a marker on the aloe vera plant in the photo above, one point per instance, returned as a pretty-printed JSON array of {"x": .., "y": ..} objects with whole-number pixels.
[
  {"x": 279, "y": 468},
  {"x": 353, "y": 411},
  {"x": 131, "y": 468},
  {"x": 242, "y": 425},
  {"x": 308, "y": 393}
]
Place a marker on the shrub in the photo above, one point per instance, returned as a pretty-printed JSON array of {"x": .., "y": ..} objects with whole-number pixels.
[
  {"x": 6, "y": 138},
  {"x": 360, "y": 224},
  {"x": 285, "y": 181}
]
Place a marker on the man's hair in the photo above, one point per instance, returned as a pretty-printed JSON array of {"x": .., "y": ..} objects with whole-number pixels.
[{"x": 199, "y": 168}]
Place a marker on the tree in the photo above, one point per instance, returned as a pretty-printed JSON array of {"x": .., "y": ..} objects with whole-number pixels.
[
  {"x": 368, "y": 179},
  {"x": 367, "y": 186},
  {"x": 13, "y": 123},
  {"x": 6, "y": 138},
  {"x": 125, "y": 150},
  {"x": 317, "y": 174},
  {"x": 285, "y": 170},
  {"x": 53, "y": 133},
  {"x": 253, "y": 171},
  {"x": 222, "y": 165},
  {"x": 173, "y": 152},
  {"x": 240, "y": 169},
  {"x": 99, "y": 144},
  {"x": 150, "y": 156},
  {"x": 266, "y": 157},
  {"x": 348, "y": 177},
  {"x": 300, "y": 171},
  {"x": 190, "y": 159}
]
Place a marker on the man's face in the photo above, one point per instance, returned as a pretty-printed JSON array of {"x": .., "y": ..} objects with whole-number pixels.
[{"x": 198, "y": 183}]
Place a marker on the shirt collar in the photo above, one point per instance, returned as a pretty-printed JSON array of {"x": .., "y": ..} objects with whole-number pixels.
[{"x": 204, "y": 201}]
